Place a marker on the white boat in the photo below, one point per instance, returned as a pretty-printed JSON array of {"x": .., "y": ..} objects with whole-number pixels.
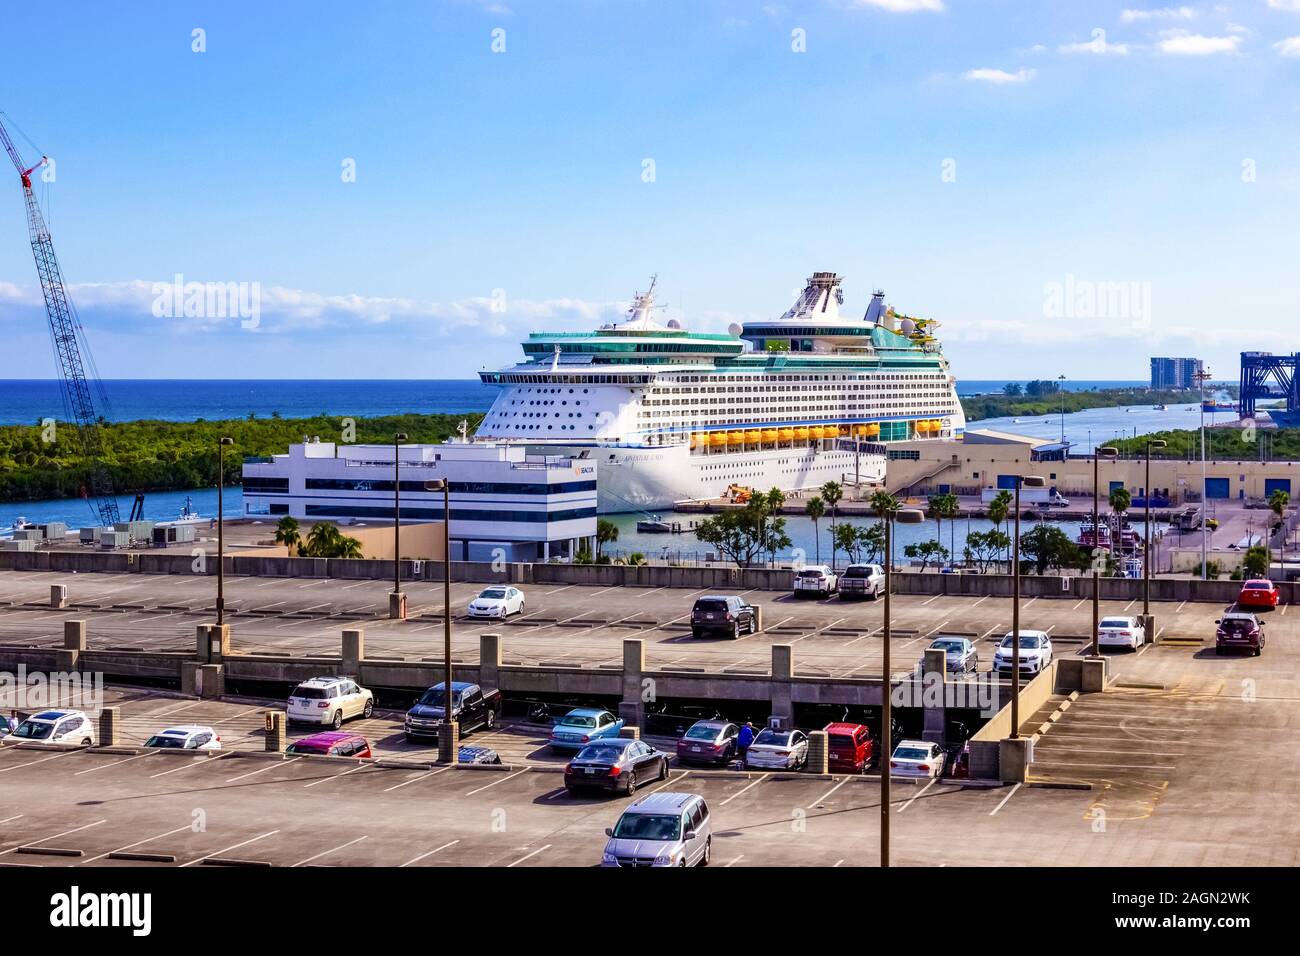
[
  {"x": 187, "y": 515},
  {"x": 672, "y": 416}
]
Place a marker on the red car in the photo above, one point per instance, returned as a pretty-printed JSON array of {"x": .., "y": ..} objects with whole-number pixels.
[
  {"x": 850, "y": 747},
  {"x": 332, "y": 743},
  {"x": 1259, "y": 592}
]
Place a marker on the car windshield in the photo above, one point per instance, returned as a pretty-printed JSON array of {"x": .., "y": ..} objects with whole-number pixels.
[
  {"x": 34, "y": 729},
  {"x": 648, "y": 826},
  {"x": 1114, "y": 622},
  {"x": 493, "y": 594},
  {"x": 946, "y": 646},
  {"x": 777, "y": 738},
  {"x": 1025, "y": 641},
  {"x": 858, "y": 571},
  {"x": 602, "y": 753},
  {"x": 311, "y": 693},
  {"x": 578, "y": 720},
  {"x": 910, "y": 753},
  {"x": 702, "y": 733},
  {"x": 710, "y": 607},
  {"x": 436, "y": 697},
  {"x": 812, "y": 573},
  {"x": 158, "y": 740}
]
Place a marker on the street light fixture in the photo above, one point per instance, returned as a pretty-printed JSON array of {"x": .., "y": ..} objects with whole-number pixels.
[
  {"x": 1146, "y": 533},
  {"x": 221, "y": 530},
  {"x": 905, "y": 516},
  {"x": 448, "y": 732},
  {"x": 1106, "y": 451},
  {"x": 1028, "y": 481}
]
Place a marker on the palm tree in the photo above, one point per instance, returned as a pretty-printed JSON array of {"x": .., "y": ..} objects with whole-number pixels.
[
  {"x": 1277, "y": 503},
  {"x": 885, "y": 506},
  {"x": 816, "y": 509},
  {"x": 606, "y": 533},
  {"x": 346, "y": 547},
  {"x": 831, "y": 494},
  {"x": 321, "y": 539},
  {"x": 286, "y": 533},
  {"x": 942, "y": 506},
  {"x": 999, "y": 508}
]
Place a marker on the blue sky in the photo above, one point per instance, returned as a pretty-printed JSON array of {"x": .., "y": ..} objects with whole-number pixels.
[{"x": 996, "y": 164}]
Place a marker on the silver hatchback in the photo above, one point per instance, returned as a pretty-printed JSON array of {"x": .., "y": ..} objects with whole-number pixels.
[{"x": 661, "y": 829}]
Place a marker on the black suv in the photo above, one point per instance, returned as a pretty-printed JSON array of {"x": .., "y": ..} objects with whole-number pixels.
[{"x": 722, "y": 614}]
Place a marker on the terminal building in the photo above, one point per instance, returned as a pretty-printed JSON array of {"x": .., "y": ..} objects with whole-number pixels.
[{"x": 505, "y": 503}]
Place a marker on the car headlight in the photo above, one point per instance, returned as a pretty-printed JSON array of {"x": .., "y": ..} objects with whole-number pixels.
[{"x": 608, "y": 858}]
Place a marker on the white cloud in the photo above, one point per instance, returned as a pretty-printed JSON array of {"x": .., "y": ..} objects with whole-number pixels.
[
  {"x": 1182, "y": 43},
  {"x": 1161, "y": 13},
  {"x": 1288, "y": 47},
  {"x": 1096, "y": 45},
  {"x": 902, "y": 6},
  {"x": 1291, "y": 6},
  {"x": 988, "y": 75}
]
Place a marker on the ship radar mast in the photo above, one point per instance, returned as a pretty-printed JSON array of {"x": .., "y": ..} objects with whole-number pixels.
[{"x": 640, "y": 314}]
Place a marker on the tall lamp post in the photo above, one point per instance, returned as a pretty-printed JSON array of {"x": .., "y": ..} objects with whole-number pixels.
[
  {"x": 1146, "y": 544},
  {"x": 890, "y": 513},
  {"x": 1106, "y": 451},
  {"x": 397, "y": 601},
  {"x": 1061, "y": 379},
  {"x": 1028, "y": 481},
  {"x": 448, "y": 731},
  {"x": 1202, "y": 375},
  {"x": 221, "y": 530}
]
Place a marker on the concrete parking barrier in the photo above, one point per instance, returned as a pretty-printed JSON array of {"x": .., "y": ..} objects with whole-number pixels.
[
  {"x": 353, "y": 651},
  {"x": 74, "y": 635},
  {"x": 818, "y": 753},
  {"x": 274, "y": 722},
  {"x": 630, "y": 733},
  {"x": 110, "y": 723},
  {"x": 58, "y": 595}
]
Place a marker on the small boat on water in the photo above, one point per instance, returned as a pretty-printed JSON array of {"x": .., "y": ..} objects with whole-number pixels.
[
  {"x": 655, "y": 525},
  {"x": 187, "y": 515}
]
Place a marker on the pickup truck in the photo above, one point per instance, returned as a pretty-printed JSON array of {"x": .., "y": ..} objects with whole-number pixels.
[
  {"x": 471, "y": 706},
  {"x": 862, "y": 581},
  {"x": 817, "y": 580}
]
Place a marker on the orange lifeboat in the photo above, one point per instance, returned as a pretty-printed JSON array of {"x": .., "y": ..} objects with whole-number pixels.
[
  {"x": 753, "y": 436},
  {"x": 769, "y": 434},
  {"x": 735, "y": 438},
  {"x": 785, "y": 434},
  {"x": 717, "y": 438},
  {"x": 816, "y": 433},
  {"x": 801, "y": 434}
]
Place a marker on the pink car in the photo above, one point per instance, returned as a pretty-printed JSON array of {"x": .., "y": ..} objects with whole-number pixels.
[{"x": 331, "y": 743}]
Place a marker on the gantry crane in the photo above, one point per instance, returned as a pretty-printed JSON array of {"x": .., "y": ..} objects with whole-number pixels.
[{"x": 70, "y": 347}]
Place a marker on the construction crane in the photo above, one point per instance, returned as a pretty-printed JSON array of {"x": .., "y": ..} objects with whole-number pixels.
[{"x": 70, "y": 347}]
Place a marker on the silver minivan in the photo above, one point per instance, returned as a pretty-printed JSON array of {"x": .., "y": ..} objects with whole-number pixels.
[{"x": 661, "y": 829}]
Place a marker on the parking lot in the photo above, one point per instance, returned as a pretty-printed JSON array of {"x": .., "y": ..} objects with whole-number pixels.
[{"x": 562, "y": 624}]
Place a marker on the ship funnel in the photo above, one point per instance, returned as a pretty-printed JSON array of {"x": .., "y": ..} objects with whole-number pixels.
[{"x": 876, "y": 310}]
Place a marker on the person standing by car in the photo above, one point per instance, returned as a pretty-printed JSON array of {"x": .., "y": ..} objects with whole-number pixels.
[{"x": 743, "y": 740}]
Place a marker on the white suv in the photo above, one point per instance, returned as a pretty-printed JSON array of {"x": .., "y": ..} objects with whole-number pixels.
[
  {"x": 817, "y": 580},
  {"x": 1035, "y": 652},
  {"x": 329, "y": 701},
  {"x": 55, "y": 727}
]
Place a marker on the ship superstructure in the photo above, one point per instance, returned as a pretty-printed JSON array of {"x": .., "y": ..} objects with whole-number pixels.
[{"x": 672, "y": 415}]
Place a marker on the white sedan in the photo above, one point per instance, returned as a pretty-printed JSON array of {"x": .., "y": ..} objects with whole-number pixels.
[
  {"x": 188, "y": 737},
  {"x": 916, "y": 758},
  {"x": 778, "y": 750},
  {"x": 497, "y": 602},
  {"x": 1035, "y": 652},
  {"x": 1121, "y": 632}
]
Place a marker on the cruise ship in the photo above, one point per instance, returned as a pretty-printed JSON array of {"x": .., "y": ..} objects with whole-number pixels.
[{"x": 673, "y": 416}]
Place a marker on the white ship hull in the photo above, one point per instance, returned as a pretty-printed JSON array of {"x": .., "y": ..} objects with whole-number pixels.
[{"x": 647, "y": 479}]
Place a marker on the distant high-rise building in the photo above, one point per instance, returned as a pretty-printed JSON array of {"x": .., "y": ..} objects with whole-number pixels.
[{"x": 1174, "y": 372}]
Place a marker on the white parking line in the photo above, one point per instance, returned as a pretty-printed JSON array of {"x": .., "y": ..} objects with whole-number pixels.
[
  {"x": 1003, "y": 803},
  {"x": 423, "y": 856},
  {"x": 744, "y": 789},
  {"x": 933, "y": 781},
  {"x": 936, "y": 630},
  {"x": 114, "y": 763},
  {"x": 684, "y": 774},
  {"x": 423, "y": 776},
  {"x": 32, "y": 763},
  {"x": 18, "y": 816},
  {"x": 194, "y": 762},
  {"x": 985, "y": 598},
  {"x": 200, "y": 859},
  {"x": 54, "y": 836},
  {"x": 131, "y": 846},
  {"x": 336, "y": 776},
  {"x": 735, "y": 861},
  {"x": 343, "y": 846},
  {"x": 826, "y": 796},
  {"x": 1180, "y": 607},
  {"x": 931, "y": 600},
  {"x": 254, "y": 773},
  {"x": 495, "y": 782},
  {"x": 529, "y": 856}
]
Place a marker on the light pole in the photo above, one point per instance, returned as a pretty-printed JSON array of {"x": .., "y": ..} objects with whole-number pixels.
[
  {"x": 1106, "y": 451},
  {"x": 221, "y": 530},
  {"x": 906, "y": 516},
  {"x": 1146, "y": 533},
  {"x": 1028, "y": 481},
  {"x": 1061, "y": 379},
  {"x": 397, "y": 605},
  {"x": 448, "y": 731},
  {"x": 1201, "y": 376}
]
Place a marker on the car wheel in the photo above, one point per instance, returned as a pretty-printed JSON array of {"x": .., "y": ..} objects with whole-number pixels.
[
  {"x": 735, "y": 631},
  {"x": 337, "y": 722},
  {"x": 369, "y": 710},
  {"x": 85, "y": 742},
  {"x": 631, "y": 783},
  {"x": 695, "y": 633},
  {"x": 708, "y": 851},
  {"x": 490, "y": 720},
  {"x": 663, "y": 769}
]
